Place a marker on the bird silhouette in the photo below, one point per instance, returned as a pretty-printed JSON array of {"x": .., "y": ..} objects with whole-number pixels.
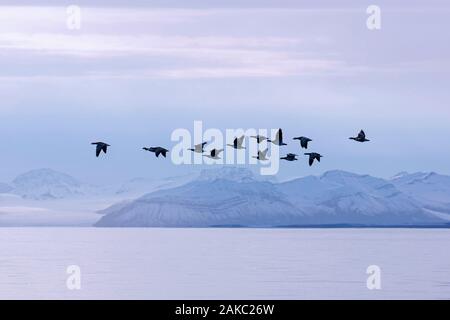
[
  {"x": 303, "y": 141},
  {"x": 278, "y": 139},
  {"x": 313, "y": 156},
  {"x": 290, "y": 157},
  {"x": 237, "y": 143},
  {"x": 361, "y": 137},
  {"x": 214, "y": 154},
  {"x": 157, "y": 151},
  {"x": 262, "y": 155},
  {"x": 199, "y": 148},
  {"x": 259, "y": 138},
  {"x": 101, "y": 146}
]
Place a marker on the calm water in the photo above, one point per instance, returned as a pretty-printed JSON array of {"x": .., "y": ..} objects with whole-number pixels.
[{"x": 223, "y": 263}]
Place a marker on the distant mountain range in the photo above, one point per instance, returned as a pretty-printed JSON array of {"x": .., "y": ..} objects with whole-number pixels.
[
  {"x": 235, "y": 197},
  {"x": 44, "y": 184},
  {"x": 48, "y": 184},
  {"x": 227, "y": 197}
]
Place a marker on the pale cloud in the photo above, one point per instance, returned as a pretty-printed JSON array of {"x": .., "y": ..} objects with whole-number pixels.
[
  {"x": 45, "y": 18},
  {"x": 101, "y": 45},
  {"x": 190, "y": 56},
  {"x": 38, "y": 35},
  {"x": 176, "y": 43}
]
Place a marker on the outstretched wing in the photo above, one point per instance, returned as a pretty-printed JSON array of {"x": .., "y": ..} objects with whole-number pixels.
[
  {"x": 264, "y": 153},
  {"x": 362, "y": 134},
  {"x": 105, "y": 148},
  {"x": 318, "y": 158},
  {"x": 311, "y": 160},
  {"x": 98, "y": 149},
  {"x": 304, "y": 143},
  {"x": 164, "y": 153},
  {"x": 157, "y": 153},
  {"x": 200, "y": 145},
  {"x": 279, "y": 136},
  {"x": 241, "y": 140}
]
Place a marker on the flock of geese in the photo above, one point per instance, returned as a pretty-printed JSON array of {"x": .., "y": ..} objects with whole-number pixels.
[{"x": 237, "y": 144}]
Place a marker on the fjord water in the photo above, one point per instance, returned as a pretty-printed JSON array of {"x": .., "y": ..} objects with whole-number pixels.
[{"x": 224, "y": 263}]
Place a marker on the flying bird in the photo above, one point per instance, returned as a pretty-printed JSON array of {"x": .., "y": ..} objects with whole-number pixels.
[
  {"x": 290, "y": 157},
  {"x": 361, "y": 137},
  {"x": 303, "y": 141},
  {"x": 278, "y": 139},
  {"x": 157, "y": 151},
  {"x": 199, "y": 148},
  {"x": 214, "y": 154},
  {"x": 262, "y": 155},
  {"x": 237, "y": 143},
  {"x": 313, "y": 156},
  {"x": 101, "y": 146},
  {"x": 259, "y": 138}
]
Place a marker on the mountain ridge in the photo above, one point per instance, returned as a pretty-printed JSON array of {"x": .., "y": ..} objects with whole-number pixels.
[
  {"x": 336, "y": 197},
  {"x": 235, "y": 196}
]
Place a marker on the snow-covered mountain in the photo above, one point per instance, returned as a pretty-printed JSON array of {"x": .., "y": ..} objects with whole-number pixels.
[
  {"x": 45, "y": 184},
  {"x": 227, "y": 197},
  {"x": 427, "y": 186},
  {"x": 140, "y": 186},
  {"x": 230, "y": 196},
  {"x": 342, "y": 197},
  {"x": 430, "y": 188}
]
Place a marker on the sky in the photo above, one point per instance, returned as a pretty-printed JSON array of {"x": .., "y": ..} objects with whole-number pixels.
[{"x": 135, "y": 71}]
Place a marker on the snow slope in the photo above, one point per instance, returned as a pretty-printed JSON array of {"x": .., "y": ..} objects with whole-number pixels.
[
  {"x": 428, "y": 186},
  {"x": 227, "y": 198},
  {"x": 234, "y": 197},
  {"x": 140, "y": 186},
  {"x": 44, "y": 184}
]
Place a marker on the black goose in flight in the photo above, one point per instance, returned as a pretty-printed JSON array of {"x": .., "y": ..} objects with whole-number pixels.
[
  {"x": 262, "y": 155},
  {"x": 101, "y": 146},
  {"x": 259, "y": 138},
  {"x": 214, "y": 154},
  {"x": 278, "y": 139},
  {"x": 157, "y": 151},
  {"x": 361, "y": 137},
  {"x": 199, "y": 148},
  {"x": 303, "y": 141},
  {"x": 290, "y": 157},
  {"x": 313, "y": 156},
  {"x": 237, "y": 143}
]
